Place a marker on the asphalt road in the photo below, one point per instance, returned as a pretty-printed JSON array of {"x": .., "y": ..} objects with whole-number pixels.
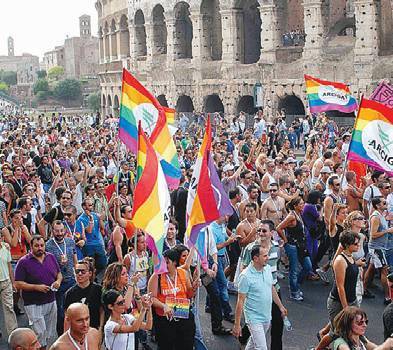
[{"x": 307, "y": 318}]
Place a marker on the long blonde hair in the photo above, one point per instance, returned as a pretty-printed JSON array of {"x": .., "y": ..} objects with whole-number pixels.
[{"x": 349, "y": 219}]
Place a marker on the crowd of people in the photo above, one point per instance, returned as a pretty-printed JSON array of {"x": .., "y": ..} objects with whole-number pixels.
[{"x": 71, "y": 259}]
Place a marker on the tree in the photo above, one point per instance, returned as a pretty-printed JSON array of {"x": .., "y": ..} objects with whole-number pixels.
[
  {"x": 9, "y": 77},
  {"x": 3, "y": 87},
  {"x": 93, "y": 101},
  {"x": 41, "y": 74},
  {"x": 55, "y": 73},
  {"x": 40, "y": 85},
  {"x": 42, "y": 95},
  {"x": 68, "y": 89}
]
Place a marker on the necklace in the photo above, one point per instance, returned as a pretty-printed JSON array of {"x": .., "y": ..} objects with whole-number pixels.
[{"x": 76, "y": 343}]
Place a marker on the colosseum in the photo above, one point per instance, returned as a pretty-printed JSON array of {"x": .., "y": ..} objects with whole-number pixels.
[{"x": 218, "y": 55}]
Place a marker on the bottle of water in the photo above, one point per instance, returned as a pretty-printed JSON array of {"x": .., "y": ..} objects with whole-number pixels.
[{"x": 287, "y": 324}]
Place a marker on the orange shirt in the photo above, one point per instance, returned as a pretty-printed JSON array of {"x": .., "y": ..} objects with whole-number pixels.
[{"x": 168, "y": 288}]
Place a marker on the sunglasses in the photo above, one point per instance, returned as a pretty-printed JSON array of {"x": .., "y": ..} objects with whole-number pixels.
[
  {"x": 121, "y": 303},
  {"x": 359, "y": 218},
  {"x": 273, "y": 190},
  {"x": 362, "y": 323},
  {"x": 67, "y": 214},
  {"x": 80, "y": 271},
  {"x": 263, "y": 230},
  {"x": 66, "y": 198},
  {"x": 387, "y": 188}
]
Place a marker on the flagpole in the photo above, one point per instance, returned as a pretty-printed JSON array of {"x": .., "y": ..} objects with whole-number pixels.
[{"x": 349, "y": 147}]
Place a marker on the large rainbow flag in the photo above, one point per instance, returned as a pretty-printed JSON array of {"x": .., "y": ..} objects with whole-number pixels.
[
  {"x": 138, "y": 104},
  {"x": 206, "y": 200},
  {"x": 150, "y": 211},
  {"x": 326, "y": 95},
  {"x": 372, "y": 136}
]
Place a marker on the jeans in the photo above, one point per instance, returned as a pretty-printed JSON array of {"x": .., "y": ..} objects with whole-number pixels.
[
  {"x": 60, "y": 295},
  {"x": 295, "y": 276},
  {"x": 277, "y": 328},
  {"x": 257, "y": 340},
  {"x": 97, "y": 252},
  {"x": 198, "y": 339},
  {"x": 222, "y": 284},
  {"x": 389, "y": 258}
]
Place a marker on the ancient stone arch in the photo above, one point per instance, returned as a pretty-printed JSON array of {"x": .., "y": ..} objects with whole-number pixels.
[
  {"x": 213, "y": 103},
  {"x": 211, "y": 28},
  {"x": 116, "y": 105},
  {"x": 250, "y": 30},
  {"x": 124, "y": 37},
  {"x": 113, "y": 39},
  {"x": 246, "y": 105},
  {"x": 163, "y": 101},
  {"x": 183, "y": 31},
  {"x": 184, "y": 104},
  {"x": 341, "y": 27},
  {"x": 292, "y": 105},
  {"x": 106, "y": 34},
  {"x": 103, "y": 101},
  {"x": 159, "y": 42},
  {"x": 140, "y": 34}
]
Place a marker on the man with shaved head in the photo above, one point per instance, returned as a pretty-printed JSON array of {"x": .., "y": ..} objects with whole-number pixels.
[
  {"x": 23, "y": 339},
  {"x": 80, "y": 335}
]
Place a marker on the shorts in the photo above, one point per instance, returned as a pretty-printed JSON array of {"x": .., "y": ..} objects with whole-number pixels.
[
  {"x": 334, "y": 307},
  {"x": 378, "y": 258}
]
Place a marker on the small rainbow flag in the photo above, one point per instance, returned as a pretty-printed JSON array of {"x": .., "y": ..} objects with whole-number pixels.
[
  {"x": 138, "y": 104},
  {"x": 329, "y": 96},
  {"x": 372, "y": 136},
  {"x": 206, "y": 199},
  {"x": 150, "y": 211}
]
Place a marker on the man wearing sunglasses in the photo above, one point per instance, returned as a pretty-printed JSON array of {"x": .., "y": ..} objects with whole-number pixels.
[
  {"x": 265, "y": 239},
  {"x": 273, "y": 208},
  {"x": 86, "y": 292}
]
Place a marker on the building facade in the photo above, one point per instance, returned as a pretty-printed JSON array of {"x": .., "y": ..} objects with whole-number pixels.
[{"x": 209, "y": 55}]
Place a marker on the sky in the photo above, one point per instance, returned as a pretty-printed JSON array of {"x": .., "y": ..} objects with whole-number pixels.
[{"x": 38, "y": 26}]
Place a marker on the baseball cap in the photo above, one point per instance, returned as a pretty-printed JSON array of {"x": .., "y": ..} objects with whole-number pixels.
[
  {"x": 228, "y": 167},
  {"x": 326, "y": 170}
]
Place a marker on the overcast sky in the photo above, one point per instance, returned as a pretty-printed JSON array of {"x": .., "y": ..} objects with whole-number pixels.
[{"x": 38, "y": 26}]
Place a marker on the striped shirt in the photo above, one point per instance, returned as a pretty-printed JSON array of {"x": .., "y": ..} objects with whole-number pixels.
[{"x": 273, "y": 258}]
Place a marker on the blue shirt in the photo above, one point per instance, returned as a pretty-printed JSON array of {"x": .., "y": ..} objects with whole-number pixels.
[
  {"x": 68, "y": 248},
  {"x": 257, "y": 285},
  {"x": 93, "y": 238},
  {"x": 220, "y": 235}
]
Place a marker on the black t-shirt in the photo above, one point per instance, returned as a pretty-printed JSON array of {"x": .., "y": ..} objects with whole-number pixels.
[
  {"x": 91, "y": 296},
  {"x": 54, "y": 214},
  {"x": 27, "y": 221}
]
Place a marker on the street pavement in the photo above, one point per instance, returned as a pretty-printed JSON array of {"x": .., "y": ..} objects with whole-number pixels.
[{"x": 307, "y": 318}]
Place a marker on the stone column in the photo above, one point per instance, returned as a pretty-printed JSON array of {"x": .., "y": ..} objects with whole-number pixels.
[
  {"x": 200, "y": 41},
  {"x": 270, "y": 38},
  {"x": 171, "y": 32},
  {"x": 232, "y": 35},
  {"x": 133, "y": 48},
  {"x": 313, "y": 24},
  {"x": 367, "y": 41},
  {"x": 149, "y": 41}
]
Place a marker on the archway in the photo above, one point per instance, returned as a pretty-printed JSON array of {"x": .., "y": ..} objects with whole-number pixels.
[
  {"x": 251, "y": 31},
  {"x": 246, "y": 105},
  {"x": 211, "y": 28},
  {"x": 184, "y": 104},
  {"x": 292, "y": 107},
  {"x": 159, "y": 31},
  {"x": 124, "y": 37},
  {"x": 106, "y": 42},
  {"x": 162, "y": 100},
  {"x": 183, "y": 31},
  {"x": 101, "y": 44},
  {"x": 103, "y": 101},
  {"x": 213, "y": 104},
  {"x": 140, "y": 34},
  {"x": 109, "y": 105}
]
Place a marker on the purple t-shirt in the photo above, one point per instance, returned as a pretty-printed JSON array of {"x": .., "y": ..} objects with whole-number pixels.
[{"x": 30, "y": 270}]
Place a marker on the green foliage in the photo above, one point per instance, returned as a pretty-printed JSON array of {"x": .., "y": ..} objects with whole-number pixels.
[
  {"x": 40, "y": 85},
  {"x": 41, "y": 74},
  {"x": 42, "y": 95},
  {"x": 68, "y": 89},
  {"x": 3, "y": 87},
  {"x": 93, "y": 101},
  {"x": 8, "y": 77},
  {"x": 55, "y": 73}
]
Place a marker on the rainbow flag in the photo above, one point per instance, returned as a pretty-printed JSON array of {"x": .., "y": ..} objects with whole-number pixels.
[
  {"x": 372, "y": 136},
  {"x": 170, "y": 115},
  {"x": 138, "y": 104},
  {"x": 329, "y": 96},
  {"x": 206, "y": 200},
  {"x": 150, "y": 211}
]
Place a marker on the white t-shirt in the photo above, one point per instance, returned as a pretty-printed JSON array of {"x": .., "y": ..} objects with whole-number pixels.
[{"x": 115, "y": 341}]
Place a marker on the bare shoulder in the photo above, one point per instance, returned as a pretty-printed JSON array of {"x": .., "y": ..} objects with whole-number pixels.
[
  {"x": 94, "y": 338},
  {"x": 61, "y": 344}
]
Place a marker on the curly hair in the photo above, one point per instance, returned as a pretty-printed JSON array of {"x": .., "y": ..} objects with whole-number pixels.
[
  {"x": 349, "y": 219},
  {"x": 112, "y": 275}
]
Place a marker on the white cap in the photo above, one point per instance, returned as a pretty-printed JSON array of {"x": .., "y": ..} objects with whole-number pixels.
[
  {"x": 326, "y": 170},
  {"x": 228, "y": 167}
]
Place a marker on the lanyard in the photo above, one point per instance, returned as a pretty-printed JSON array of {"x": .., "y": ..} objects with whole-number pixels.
[
  {"x": 275, "y": 206},
  {"x": 69, "y": 228},
  {"x": 171, "y": 284},
  {"x": 65, "y": 247},
  {"x": 86, "y": 344}
]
